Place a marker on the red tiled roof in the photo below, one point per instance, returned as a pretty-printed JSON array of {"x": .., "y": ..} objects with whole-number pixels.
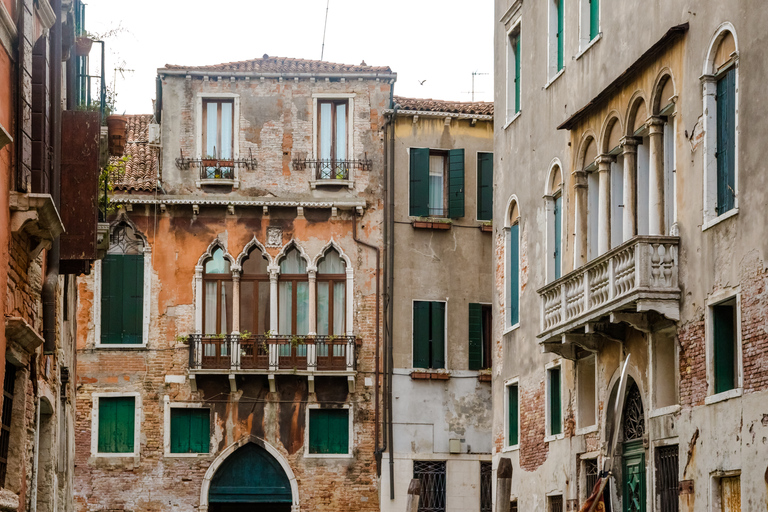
[
  {"x": 142, "y": 164},
  {"x": 268, "y": 64},
  {"x": 455, "y": 107}
]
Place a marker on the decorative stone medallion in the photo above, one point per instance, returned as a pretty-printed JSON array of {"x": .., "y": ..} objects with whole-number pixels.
[{"x": 274, "y": 237}]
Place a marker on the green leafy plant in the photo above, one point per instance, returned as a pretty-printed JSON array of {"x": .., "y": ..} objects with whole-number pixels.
[
  {"x": 332, "y": 338},
  {"x": 219, "y": 336},
  {"x": 181, "y": 338},
  {"x": 245, "y": 334},
  {"x": 110, "y": 175},
  {"x": 295, "y": 341}
]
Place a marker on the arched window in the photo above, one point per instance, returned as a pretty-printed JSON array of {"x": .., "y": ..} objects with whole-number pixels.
[
  {"x": 217, "y": 294},
  {"x": 254, "y": 293},
  {"x": 293, "y": 294},
  {"x": 589, "y": 210},
  {"x": 122, "y": 287},
  {"x": 554, "y": 207},
  {"x": 720, "y": 90},
  {"x": 513, "y": 266},
  {"x": 331, "y": 294}
]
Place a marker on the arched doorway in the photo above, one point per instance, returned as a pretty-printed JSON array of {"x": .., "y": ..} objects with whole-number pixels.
[
  {"x": 633, "y": 459},
  {"x": 250, "y": 479}
]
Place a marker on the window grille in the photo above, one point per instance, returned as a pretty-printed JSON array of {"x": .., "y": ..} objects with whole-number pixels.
[
  {"x": 555, "y": 503},
  {"x": 667, "y": 464},
  {"x": 591, "y": 473},
  {"x": 486, "y": 483},
  {"x": 431, "y": 475},
  {"x": 5, "y": 428}
]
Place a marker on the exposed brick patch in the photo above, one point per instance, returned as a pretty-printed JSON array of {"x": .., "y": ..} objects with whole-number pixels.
[
  {"x": 754, "y": 331},
  {"x": 693, "y": 367},
  {"x": 533, "y": 449}
]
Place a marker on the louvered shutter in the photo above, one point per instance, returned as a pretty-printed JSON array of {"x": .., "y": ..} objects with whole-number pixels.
[
  {"x": 559, "y": 34},
  {"x": 456, "y": 183},
  {"x": 419, "y": 196},
  {"x": 513, "y": 278},
  {"x": 594, "y": 18},
  {"x": 484, "y": 186},
  {"x": 421, "y": 334},
  {"x": 513, "y": 414},
  {"x": 475, "y": 336},
  {"x": 133, "y": 298},
  {"x": 112, "y": 270},
  {"x": 438, "y": 334},
  {"x": 726, "y": 142},
  {"x": 558, "y": 235}
]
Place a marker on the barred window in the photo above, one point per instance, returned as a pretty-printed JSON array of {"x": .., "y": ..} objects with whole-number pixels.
[
  {"x": 667, "y": 477},
  {"x": 431, "y": 475},
  {"x": 555, "y": 503},
  {"x": 590, "y": 474},
  {"x": 486, "y": 484}
]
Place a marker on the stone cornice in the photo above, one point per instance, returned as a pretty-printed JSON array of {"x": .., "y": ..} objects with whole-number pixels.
[
  {"x": 343, "y": 204},
  {"x": 430, "y": 113}
]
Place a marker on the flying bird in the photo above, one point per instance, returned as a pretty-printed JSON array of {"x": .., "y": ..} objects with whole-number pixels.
[{"x": 421, "y": 82}]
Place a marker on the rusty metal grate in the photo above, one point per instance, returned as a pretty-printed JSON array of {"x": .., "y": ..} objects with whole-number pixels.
[
  {"x": 555, "y": 503},
  {"x": 486, "y": 486},
  {"x": 431, "y": 474},
  {"x": 667, "y": 464}
]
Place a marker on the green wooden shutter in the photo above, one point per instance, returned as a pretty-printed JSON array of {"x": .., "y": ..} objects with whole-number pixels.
[
  {"x": 419, "y": 199},
  {"x": 513, "y": 414},
  {"x": 421, "y": 334},
  {"x": 329, "y": 431},
  {"x": 558, "y": 235},
  {"x": 559, "y": 34},
  {"x": 475, "y": 336},
  {"x": 517, "y": 73},
  {"x": 113, "y": 270},
  {"x": 725, "y": 347},
  {"x": 318, "y": 427},
  {"x": 107, "y": 425},
  {"x": 484, "y": 186},
  {"x": 200, "y": 430},
  {"x": 514, "y": 275},
  {"x": 456, "y": 183},
  {"x": 594, "y": 18},
  {"x": 437, "y": 322},
  {"x": 133, "y": 298},
  {"x": 180, "y": 431},
  {"x": 116, "y": 424},
  {"x": 726, "y": 142},
  {"x": 555, "y": 403}
]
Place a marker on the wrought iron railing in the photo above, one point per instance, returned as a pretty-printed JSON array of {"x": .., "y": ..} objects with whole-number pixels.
[
  {"x": 269, "y": 353},
  {"x": 330, "y": 169},
  {"x": 215, "y": 168}
]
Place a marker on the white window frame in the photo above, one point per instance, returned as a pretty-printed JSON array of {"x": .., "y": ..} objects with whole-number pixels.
[
  {"x": 235, "y": 133},
  {"x": 653, "y": 357},
  {"x": 552, "y": 72},
  {"x": 507, "y": 385},
  {"x": 587, "y": 428},
  {"x": 350, "y": 446},
  {"x": 511, "y": 114},
  {"x": 137, "y": 409},
  {"x": 145, "y": 314},
  {"x": 508, "y": 327},
  {"x": 167, "y": 406},
  {"x": 445, "y": 333},
  {"x": 557, "y": 363},
  {"x": 585, "y": 43},
  {"x": 713, "y": 300},
  {"x": 320, "y": 96},
  {"x": 709, "y": 95},
  {"x": 549, "y": 207}
]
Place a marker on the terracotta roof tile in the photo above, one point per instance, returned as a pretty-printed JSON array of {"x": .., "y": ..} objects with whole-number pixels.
[
  {"x": 456, "y": 107},
  {"x": 142, "y": 164},
  {"x": 268, "y": 64}
]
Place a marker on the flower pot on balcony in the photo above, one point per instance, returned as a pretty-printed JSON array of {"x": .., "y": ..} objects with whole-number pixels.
[
  {"x": 116, "y": 129},
  {"x": 83, "y": 46}
]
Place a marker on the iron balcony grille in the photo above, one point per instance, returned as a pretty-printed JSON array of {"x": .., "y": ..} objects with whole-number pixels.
[
  {"x": 330, "y": 169},
  {"x": 667, "y": 464},
  {"x": 269, "y": 353},
  {"x": 215, "y": 168},
  {"x": 486, "y": 485},
  {"x": 431, "y": 475}
]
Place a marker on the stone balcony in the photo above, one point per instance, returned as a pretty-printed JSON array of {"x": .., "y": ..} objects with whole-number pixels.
[
  {"x": 635, "y": 283},
  {"x": 272, "y": 355}
]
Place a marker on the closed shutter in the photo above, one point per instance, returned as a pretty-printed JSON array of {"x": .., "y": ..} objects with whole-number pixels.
[
  {"x": 456, "y": 183},
  {"x": 594, "y": 18},
  {"x": 475, "y": 336},
  {"x": 329, "y": 431},
  {"x": 111, "y": 298},
  {"x": 558, "y": 235},
  {"x": 555, "y": 403},
  {"x": 726, "y": 142},
  {"x": 116, "y": 424},
  {"x": 421, "y": 334},
  {"x": 190, "y": 430},
  {"x": 419, "y": 199},
  {"x": 559, "y": 34},
  {"x": 513, "y": 414},
  {"x": 514, "y": 274},
  {"x": 484, "y": 186},
  {"x": 438, "y": 334},
  {"x": 517, "y": 73},
  {"x": 725, "y": 353},
  {"x": 133, "y": 298},
  {"x": 179, "y": 431}
]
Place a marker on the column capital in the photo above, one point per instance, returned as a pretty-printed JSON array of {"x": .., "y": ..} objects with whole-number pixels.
[
  {"x": 655, "y": 125},
  {"x": 629, "y": 144},
  {"x": 311, "y": 274},
  {"x": 604, "y": 162},
  {"x": 581, "y": 179}
]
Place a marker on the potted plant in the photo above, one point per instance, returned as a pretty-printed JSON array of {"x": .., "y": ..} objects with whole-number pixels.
[
  {"x": 116, "y": 128},
  {"x": 83, "y": 44}
]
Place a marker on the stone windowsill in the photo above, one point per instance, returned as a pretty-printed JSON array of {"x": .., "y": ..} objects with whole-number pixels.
[
  {"x": 350, "y": 184},
  {"x": 218, "y": 182},
  {"x": 430, "y": 224},
  {"x": 429, "y": 375}
]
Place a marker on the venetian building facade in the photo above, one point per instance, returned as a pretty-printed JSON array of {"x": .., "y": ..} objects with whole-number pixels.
[
  {"x": 230, "y": 359},
  {"x": 623, "y": 225}
]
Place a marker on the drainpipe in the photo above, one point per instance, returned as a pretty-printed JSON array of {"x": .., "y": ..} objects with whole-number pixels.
[{"x": 390, "y": 223}]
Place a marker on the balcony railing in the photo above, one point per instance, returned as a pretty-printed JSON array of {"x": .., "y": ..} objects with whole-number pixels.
[
  {"x": 637, "y": 276},
  {"x": 329, "y": 170},
  {"x": 217, "y": 170},
  {"x": 271, "y": 353}
]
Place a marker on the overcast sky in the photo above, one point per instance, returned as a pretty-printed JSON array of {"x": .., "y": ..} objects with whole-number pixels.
[{"x": 439, "y": 41}]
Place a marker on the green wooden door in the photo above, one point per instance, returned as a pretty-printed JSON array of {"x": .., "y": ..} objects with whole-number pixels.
[{"x": 633, "y": 495}]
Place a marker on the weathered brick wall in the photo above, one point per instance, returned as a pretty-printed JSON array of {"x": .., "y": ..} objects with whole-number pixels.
[
  {"x": 754, "y": 337},
  {"x": 693, "y": 367},
  {"x": 533, "y": 449}
]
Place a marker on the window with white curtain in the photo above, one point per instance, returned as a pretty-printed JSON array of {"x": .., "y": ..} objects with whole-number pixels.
[
  {"x": 254, "y": 293},
  {"x": 437, "y": 183},
  {"x": 217, "y": 294},
  {"x": 331, "y": 294},
  {"x": 293, "y": 294}
]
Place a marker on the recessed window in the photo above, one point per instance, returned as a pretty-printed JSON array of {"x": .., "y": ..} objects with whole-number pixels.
[
  {"x": 725, "y": 152},
  {"x": 667, "y": 470},
  {"x": 293, "y": 295},
  {"x": 122, "y": 288},
  {"x": 486, "y": 486},
  {"x": 217, "y": 294},
  {"x": 725, "y": 346},
  {"x": 513, "y": 73},
  {"x": 590, "y": 22},
  {"x": 555, "y": 503},
  {"x": 513, "y": 267},
  {"x": 431, "y": 475},
  {"x": 513, "y": 415},
  {"x": 329, "y": 431},
  {"x": 586, "y": 391},
  {"x": 485, "y": 186},
  {"x": 556, "y": 46},
  {"x": 436, "y": 183},
  {"x": 480, "y": 326},
  {"x": 190, "y": 430},
  {"x": 116, "y": 424},
  {"x": 590, "y": 471},
  {"x": 665, "y": 373},
  {"x": 555, "y": 402},
  {"x": 331, "y": 294},
  {"x": 254, "y": 293},
  {"x": 218, "y": 116},
  {"x": 428, "y": 334}
]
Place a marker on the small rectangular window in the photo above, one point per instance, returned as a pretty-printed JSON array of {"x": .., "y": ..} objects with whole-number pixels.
[
  {"x": 586, "y": 391},
  {"x": 555, "y": 503},
  {"x": 667, "y": 470},
  {"x": 218, "y": 123},
  {"x": 116, "y": 424},
  {"x": 190, "y": 430},
  {"x": 725, "y": 346},
  {"x": 485, "y": 186},
  {"x": 329, "y": 431},
  {"x": 486, "y": 486},
  {"x": 428, "y": 334},
  {"x": 555, "y": 402},
  {"x": 513, "y": 415},
  {"x": 431, "y": 475},
  {"x": 591, "y": 473}
]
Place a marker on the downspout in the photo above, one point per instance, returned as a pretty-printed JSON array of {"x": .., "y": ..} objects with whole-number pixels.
[{"x": 390, "y": 222}]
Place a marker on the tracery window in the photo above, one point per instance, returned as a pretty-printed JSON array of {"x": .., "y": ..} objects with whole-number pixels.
[
  {"x": 217, "y": 294},
  {"x": 254, "y": 293}
]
